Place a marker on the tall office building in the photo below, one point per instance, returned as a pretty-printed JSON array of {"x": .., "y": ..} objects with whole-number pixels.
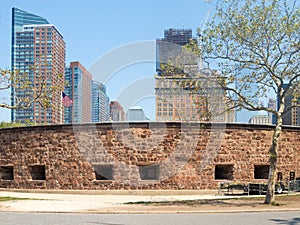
[
  {"x": 170, "y": 45},
  {"x": 78, "y": 88},
  {"x": 272, "y": 105},
  {"x": 100, "y": 103},
  {"x": 116, "y": 111},
  {"x": 19, "y": 19},
  {"x": 182, "y": 92},
  {"x": 291, "y": 117}
]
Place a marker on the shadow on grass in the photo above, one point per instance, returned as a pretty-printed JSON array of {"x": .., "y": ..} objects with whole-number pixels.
[{"x": 210, "y": 202}]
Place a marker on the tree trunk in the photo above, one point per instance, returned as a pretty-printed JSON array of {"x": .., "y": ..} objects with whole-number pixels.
[{"x": 270, "y": 195}]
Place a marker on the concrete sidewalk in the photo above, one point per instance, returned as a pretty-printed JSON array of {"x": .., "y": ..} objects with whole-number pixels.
[
  {"x": 92, "y": 201},
  {"x": 113, "y": 202}
]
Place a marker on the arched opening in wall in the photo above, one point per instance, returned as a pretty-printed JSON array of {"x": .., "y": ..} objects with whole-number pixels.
[
  {"x": 150, "y": 172},
  {"x": 224, "y": 172},
  {"x": 103, "y": 171},
  {"x": 261, "y": 171},
  {"x": 6, "y": 172},
  {"x": 37, "y": 172}
]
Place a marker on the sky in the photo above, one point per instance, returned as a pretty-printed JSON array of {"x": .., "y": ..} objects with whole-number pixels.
[{"x": 93, "y": 29}]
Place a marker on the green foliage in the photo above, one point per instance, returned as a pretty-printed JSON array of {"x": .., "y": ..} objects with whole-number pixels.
[
  {"x": 256, "y": 45},
  {"x": 10, "y": 124},
  {"x": 30, "y": 87}
]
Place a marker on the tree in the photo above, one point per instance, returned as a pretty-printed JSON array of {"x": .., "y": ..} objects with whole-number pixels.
[
  {"x": 255, "y": 44},
  {"x": 38, "y": 90}
]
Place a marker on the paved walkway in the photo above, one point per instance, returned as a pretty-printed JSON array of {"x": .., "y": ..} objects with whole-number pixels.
[
  {"x": 91, "y": 201},
  {"x": 113, "y": 202}
]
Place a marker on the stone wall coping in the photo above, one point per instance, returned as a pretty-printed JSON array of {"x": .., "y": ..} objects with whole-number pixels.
[{"x": 147, "y": 124}]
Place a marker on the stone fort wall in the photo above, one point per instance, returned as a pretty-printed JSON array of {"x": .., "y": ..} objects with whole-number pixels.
[{"x": 148, "y": 155}]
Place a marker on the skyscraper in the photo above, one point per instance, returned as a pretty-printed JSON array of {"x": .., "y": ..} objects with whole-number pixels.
[
  {"x": 183, "y": 93},
  {"x": 292, "y": 116},
  {"x": 38, "y": 53},
  {"x": 272, "y": 105},
  {"x": 19, "y": 19},
  {"x": 116, "y": 111},
  {"x": 78, "y": 88},
  {"x": 100, "y": 103},
  {"x": 170, "y": 45}
]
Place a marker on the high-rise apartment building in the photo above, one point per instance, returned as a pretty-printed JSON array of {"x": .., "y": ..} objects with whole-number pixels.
[
  {"x": 19, "y": 19},
  {"x": 78, "y": 88},
  {"x": 100, "y": 103},
  {"x": 116, "y": 111},
  {"x": 39, "y": 55}
]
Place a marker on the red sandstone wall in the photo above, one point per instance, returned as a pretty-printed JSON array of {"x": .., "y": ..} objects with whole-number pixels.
[{"x": 184, "y": 156}]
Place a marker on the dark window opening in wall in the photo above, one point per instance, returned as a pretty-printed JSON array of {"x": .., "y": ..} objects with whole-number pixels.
[
  {"x": 103, "y": 172},
  {"x": 223, "y": 172},
  {"x": 37, "y": 172},
  {"x": 279, "y": 176},
  {"x": 261, "y": 171},
  {"x": 6, "y": 172},
  {"x": 149, "y": 172},
  {"x": 292, "y": 176}
]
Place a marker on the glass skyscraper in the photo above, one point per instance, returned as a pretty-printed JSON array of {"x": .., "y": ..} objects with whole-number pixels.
[
  {"x": 100, "y": 103},
  {"x": 19, "y": 19},
  {"x": 38, "y": 53},
  {"x": 78, "y": 88}
]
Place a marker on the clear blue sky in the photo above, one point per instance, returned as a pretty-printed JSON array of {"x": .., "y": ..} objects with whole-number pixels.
[{"x": 92, "y": 28}]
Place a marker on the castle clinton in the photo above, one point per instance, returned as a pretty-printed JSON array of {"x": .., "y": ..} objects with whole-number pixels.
[{"x": 148, "y": 155}]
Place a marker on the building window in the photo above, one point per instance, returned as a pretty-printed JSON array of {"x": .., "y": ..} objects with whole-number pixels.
[
  {"x": 292, "y": 176},
  {"x": 149, "y": 172},
  {"x": 37, "y": 172},
  {"x": 223, "y": 172},
  {"x": 103, "y": 172},
  {"x": 279, "y": 176},
  {"x": 261, "y": 171},
  {"x": 6, "y": 172}
]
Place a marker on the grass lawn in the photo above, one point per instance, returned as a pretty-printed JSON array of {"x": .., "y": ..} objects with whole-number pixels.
[{"x": 3, "y": 199}]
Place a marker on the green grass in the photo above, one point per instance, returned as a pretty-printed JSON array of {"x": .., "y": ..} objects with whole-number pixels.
[
  {"x": 3, "y": 199},
  {"x": 223, "y": 201}
]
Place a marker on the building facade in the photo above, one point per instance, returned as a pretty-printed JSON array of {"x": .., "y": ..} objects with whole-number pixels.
[
  {"x": 78, "y": 88},
  {"x": 136, "y": 114},
  {"x": 116, "y": 111},
  {"x": 146, "y": 155},
  {"x": 170, "y": 45},
  {"x": 19, "y": 19},
  {"x": 272, "y": 105},
  {"x": 260, "y": 119},
  {"x": 39, "y": 58},
  {"x": 183, "y": 93},
  {"x": 292, "y": 116},
  {"x": 100, "y": 103}
]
